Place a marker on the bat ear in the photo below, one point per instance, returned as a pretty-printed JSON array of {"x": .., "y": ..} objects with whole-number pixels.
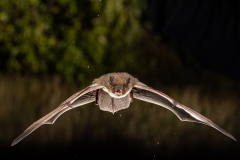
[
  {"x": 111, "y": 81},
  {"x": 127, "y": 83}
]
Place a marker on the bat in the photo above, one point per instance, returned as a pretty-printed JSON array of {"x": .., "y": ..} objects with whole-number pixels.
[{"x": 114, "y": 92}]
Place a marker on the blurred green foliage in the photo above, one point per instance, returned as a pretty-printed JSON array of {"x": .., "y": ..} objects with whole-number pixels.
[{"x": 73, "y": 38}]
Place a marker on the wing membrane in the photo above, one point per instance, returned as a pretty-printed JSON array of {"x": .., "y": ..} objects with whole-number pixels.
[
  {"x": 82, "y": 97},
  {"x": 145, "y": 93}
]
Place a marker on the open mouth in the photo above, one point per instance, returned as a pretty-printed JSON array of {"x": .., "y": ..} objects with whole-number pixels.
[{"x": 118, "y": 92}]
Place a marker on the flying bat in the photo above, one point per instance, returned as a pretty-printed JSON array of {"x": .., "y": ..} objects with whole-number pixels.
[{"x": 114, "y": 92}]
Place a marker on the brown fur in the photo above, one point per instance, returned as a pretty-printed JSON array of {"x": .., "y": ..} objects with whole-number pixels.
[{"x": 119, "y": 80}]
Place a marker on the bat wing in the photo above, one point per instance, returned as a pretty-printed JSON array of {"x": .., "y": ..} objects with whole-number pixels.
[
  {"x": 146, "y": 93},
  {"x": 82, "y": 97}
]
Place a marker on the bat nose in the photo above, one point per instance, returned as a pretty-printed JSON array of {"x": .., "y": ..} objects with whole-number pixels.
[{"x": 118, "y": 91}]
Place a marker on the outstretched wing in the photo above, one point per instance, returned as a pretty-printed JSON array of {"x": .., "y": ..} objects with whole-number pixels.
[
  {"x": 82, "y": 97},
  {"x": 145, "y": 93}
]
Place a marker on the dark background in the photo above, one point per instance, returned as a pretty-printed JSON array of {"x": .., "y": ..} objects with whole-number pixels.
[{"x": 186, "y": 49}]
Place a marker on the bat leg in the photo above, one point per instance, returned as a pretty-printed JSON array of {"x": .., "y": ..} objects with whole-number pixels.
[
  {"x": 96, "y": 100},
  {"x": 113, "y": 105},
  {"x": 131, "y": 96}
]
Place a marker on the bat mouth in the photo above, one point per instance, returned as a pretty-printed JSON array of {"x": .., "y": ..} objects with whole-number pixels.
[{"x": 118, "y": 92}]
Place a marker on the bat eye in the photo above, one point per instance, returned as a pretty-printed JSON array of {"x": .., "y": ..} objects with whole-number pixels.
[
  {"x": 127, "y": 83},
  {"x": 111, "y": 81}
]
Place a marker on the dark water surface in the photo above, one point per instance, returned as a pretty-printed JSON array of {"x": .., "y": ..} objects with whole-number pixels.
[{"x": 143, "y": 131}]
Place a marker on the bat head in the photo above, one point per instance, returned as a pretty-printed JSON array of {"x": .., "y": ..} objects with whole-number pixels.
[{"x": 118, "y": 85}]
